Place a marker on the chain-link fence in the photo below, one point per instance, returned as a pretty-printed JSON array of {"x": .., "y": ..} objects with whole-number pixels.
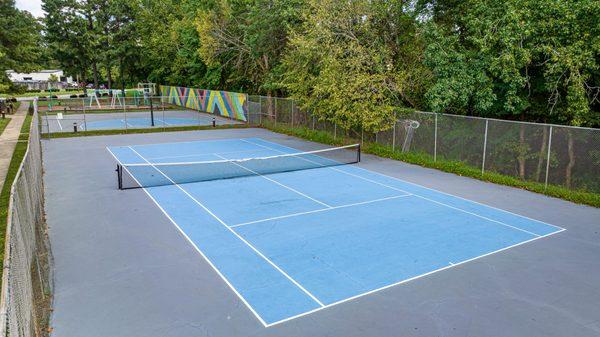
[
  {"x": 26, "y": 279},
  {"x": 550, "y": 154}
]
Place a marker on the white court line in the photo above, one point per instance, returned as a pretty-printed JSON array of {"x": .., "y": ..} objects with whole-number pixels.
[
  {"x": 234, "y": 233},
  {"x": 276, "y": 182},
  {"x": 414, "y": 184},
  {"x": 162, "y": 120},
  {"x": 127, "y": 123},
  {"x": 195, "y": 247},
  {"x": 416, "y": 195},
  {"x": 58, "y": 121},
  {"x": 319, "y": 210},
  {"x": 409, "y": 279}
]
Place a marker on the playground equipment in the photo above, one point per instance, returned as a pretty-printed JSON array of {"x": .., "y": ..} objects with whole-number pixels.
[
  {"x": 94, "y": 97},
  {"x": 117, "y": 97}
]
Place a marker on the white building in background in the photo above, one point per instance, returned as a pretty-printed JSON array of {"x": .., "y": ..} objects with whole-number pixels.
[{"x": 40, "y": 79}]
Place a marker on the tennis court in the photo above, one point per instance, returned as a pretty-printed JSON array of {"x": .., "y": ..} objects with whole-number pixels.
[
  {"x": 292, "y": 233},
  {"x": 131, "y": 119}
]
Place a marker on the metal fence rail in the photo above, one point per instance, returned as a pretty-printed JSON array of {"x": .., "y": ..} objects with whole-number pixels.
[
  {"x": 550, "y": 154},
  {"x": 26, "y": 280}
]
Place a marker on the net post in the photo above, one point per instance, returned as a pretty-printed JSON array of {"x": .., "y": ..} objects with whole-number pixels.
[
  {"x": 119, "y": 176},
  {"x": 484, "y": 146},
  {"x": 358, "y": 154},
  {"x": 151, "y": 110},
  {"x": 548, "y": 158}
]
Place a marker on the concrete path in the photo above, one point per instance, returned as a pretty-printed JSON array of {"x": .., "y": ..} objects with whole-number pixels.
[{"x": 9, "y": 137}]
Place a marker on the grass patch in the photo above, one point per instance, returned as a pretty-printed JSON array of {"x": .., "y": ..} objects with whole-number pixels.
[
  {"x": 456, "y": 167},
  {"x": 3, "y": 123},
  {"x": 144, "y": 130},
  {"x": 15, "y": 162}
]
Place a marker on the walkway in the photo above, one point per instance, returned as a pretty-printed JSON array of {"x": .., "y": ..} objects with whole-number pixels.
[{"x": 8, "y": 139}]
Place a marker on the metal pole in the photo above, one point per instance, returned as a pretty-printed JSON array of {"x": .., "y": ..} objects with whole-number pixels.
[
  {"x": 292, "y": 120},
  {"x": 163, "y": 118},
  {"x": 313, "y": 121},
  {"x": 435, "y": 139},
  {"x": 334, "y": 131},
  {"x": 198, "y": 112},
  {"x": 84, "y": 119},
  {"x": 394, "y": 136},
  {"x": 484, "y": 146},
  {"x": 548, "y": 159},
  {"x": 125, "y": 113}
]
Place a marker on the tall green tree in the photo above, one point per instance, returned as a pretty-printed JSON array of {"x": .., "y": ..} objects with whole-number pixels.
[
  {"x": 528, "y": 60},
  {"x": 355, "y": 62},
  {"x": 21, "y": 46},
  {"x": 246, "y": 40}
]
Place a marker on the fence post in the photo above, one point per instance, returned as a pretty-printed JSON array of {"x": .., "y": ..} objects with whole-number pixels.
[
  {"x": 84, "y": 118},
  {"x": 313, "y": 121},
  {"x": 292, "y": 120},
  {"x": 548, "y": 159},
  {"x": 334, "y": 131},
  {"x": 484, "y": 146},
  {"x": 394, "y": 135},
  {"x": 125, "y": 113},
  {"x": 435, "y": 138},
  {"x": 260, "y": 112}
]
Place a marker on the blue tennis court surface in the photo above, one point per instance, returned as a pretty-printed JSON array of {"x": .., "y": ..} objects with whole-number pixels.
[{"x": 293, "y": 243}]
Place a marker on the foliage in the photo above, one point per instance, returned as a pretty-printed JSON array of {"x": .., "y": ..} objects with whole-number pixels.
[
  {"x": 354, "y": 62},
  {"x": 245, "y": 40},
  {"x": 21, "y": 47},
  {"x": 532, "y": 60}
]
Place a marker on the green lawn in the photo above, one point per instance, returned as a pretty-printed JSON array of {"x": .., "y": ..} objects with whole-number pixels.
[{"x": 3, "y": 124}]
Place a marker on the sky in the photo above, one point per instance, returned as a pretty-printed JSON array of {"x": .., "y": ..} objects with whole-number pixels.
[{"x": 33, "y": 6}]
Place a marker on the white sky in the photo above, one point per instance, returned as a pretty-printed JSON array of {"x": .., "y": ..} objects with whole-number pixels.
[{"x": 33, "y": 6}]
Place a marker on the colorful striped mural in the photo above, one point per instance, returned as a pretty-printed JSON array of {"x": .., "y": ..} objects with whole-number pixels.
[{"x": 223, "y": 103}]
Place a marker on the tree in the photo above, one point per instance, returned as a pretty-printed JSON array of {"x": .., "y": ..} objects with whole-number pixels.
[
  {"x": 246, "y": 40},
  {"x": 21, "y": 46},
  {"x": 355, "y": 62}
]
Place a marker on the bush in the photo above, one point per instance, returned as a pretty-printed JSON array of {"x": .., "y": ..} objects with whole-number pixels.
[
  {"x": 53, "y": 96},
  {"x": 34, "y": 90},
  {"x": 82, "y": 95},
  {"x": 73, "y": 96},
  {"x": 17, "y": 89}
]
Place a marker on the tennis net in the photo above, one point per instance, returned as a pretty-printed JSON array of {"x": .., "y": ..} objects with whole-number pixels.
[{"x": 140, "y": 175}]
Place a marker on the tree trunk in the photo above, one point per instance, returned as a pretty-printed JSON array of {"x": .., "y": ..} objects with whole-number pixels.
[
  {"x": 95, "y": 72},
  {"x": 542, "y": 154},
  {"x": 570, "y": 150},
  {"x": 522, "y": 151},
  {"x": 108, "y": 75}
]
